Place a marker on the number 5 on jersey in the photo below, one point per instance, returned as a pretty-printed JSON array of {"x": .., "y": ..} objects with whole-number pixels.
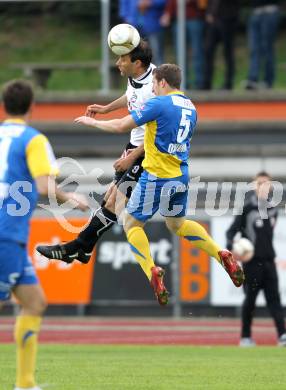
[{"x": 184, "y": 125}]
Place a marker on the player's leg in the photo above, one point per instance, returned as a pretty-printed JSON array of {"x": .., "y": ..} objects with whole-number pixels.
[
  {"x": 252, "y": 286},
  {"x": 81, "y": 247},
  {"x": 27, "y": 327},
  {"x": 196, "y": 233},
  {"x": 143, "y": 204},
  {"x": 272, "y": 296},
  {"x": 115, "y": 201},
  {"x": 102, "y": 220},
  {"x": 174, "y": 201},
  {"x": 139, "y": 243},
  {"x": 17, "y": 274}
]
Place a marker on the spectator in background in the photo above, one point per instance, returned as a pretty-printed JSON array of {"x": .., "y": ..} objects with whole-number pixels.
[
  {"x": 260, "y": 271},
  {"x": 145, "y": 16},
  {"x": 221, "y": 19},
  {"x": 262, "y": 28},
  {"x": 128, "y": 12},
  {"x": 195, "y": 23},
  {"x": 150, "y": 12}
]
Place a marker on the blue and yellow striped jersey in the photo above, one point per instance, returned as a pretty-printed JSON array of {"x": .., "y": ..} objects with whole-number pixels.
[
  {"x": 171, "y": 120},
  {"x": 25, "y": 154}
]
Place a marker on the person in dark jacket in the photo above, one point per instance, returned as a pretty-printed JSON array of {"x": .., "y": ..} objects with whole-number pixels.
[{"x": 260, "y": 271}]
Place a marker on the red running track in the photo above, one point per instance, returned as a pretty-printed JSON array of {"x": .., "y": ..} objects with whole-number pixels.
[{"x": 138, "y": 331}]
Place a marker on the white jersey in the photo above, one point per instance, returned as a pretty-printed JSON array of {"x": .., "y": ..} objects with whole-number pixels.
[{"x": 138, "y": 92}]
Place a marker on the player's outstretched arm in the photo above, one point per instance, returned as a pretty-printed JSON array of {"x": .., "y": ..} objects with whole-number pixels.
[
  {"x": 94, "y": 109},
  {"x": 112, "y": 126},
  {"x": 47, "y": 186}
]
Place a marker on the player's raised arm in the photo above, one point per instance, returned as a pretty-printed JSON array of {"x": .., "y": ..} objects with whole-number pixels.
[
  {"x": 94, "y": 109},
  {"x": 112, "y": 126}
]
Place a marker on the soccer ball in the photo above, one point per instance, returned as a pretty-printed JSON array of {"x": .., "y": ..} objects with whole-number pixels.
[
  {"x": 123, "y": 38},
  {"x": 243, "y": 249}
]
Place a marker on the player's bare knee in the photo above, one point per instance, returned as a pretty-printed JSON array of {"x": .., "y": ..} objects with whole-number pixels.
[
  {"x": 173, "y": 224},
  {"x": 40, "y": 306},
  {"x": 171, "y": 227},
  {"x": 110, "y": 203},
  {"x": 129, "y": 222},
  {"x": 43, "y": 304},
  {"x": 37, "y": 307},
  {"x": 126, "y": 222},
  {"x": 109, "y": 192}
]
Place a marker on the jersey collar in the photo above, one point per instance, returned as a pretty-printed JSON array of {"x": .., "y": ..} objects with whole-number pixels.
[
  {"x": 16, "y": 120},
  {"x": 139, "y": 82},
  {"x": 176, "y": 93}
]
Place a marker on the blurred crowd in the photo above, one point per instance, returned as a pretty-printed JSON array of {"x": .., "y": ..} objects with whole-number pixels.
[{"x": 208, "y": 24}]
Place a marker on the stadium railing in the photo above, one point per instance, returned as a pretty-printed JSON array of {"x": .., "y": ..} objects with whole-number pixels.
[{"x": 41, "y": 72}]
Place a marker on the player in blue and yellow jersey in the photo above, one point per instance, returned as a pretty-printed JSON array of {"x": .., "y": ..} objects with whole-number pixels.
[
  {"x": 27, "y": 168},
  {"x": 170, "y": 119}
]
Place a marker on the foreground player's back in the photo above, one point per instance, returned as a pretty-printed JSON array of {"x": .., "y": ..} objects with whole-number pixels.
[{"x": 18, "y": 192}]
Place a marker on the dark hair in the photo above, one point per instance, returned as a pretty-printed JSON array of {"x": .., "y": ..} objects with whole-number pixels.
[
  {"x": 143, "y": 53},
  {"x": 17, "y": 97},
  {"x": 171, "y": 73},
  {"x": 262, "y": 173}
]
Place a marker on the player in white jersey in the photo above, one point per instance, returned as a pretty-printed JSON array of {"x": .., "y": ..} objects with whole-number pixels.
[
  {"x": 138, "y": 68},
  {"x": 138, "y": 92}
]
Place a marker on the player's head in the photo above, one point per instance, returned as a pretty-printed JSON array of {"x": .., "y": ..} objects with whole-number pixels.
[
  {"x": 136, "y": 62},
  {"x": 263, "y": 184},
  {"x": 166, "y": 77},
  {"x": 17, "y": 97}
]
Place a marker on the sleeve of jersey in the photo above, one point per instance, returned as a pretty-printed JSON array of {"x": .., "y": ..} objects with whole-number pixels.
[
  {"x": 40, "y": 157},
  {"x": 148, "y": 113}
]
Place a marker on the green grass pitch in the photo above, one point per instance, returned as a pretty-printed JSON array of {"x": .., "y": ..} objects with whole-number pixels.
[{"x": 88, "y": 367}]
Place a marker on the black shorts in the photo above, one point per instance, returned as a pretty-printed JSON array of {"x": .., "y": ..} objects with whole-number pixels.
[{"x": 126, "y": 181}]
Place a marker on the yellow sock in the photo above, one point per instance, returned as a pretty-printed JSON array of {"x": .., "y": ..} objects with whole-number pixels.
[
  {"x": 199, "y": 237},
  {"x": 26, "y": 337},
  {"x": 140, "y": 248}
]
